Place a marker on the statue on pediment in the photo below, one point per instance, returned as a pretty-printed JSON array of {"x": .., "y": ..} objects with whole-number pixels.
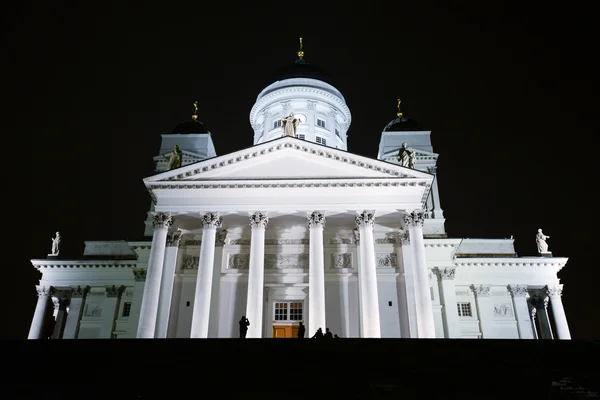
[
  {"x": 540, "y": 240},
  {"x": 406, "y": 158},
  {"x": 175, "y": 158},
  {"x": 56, "y": 244},
  {"x": 289, "y": 125}
]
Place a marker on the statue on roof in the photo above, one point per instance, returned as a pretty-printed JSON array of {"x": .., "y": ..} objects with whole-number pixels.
[
  {"x": 540, "y": 240},
  {"x": 289, "y": 125},
  {"x": 175, "y": 158},
  {"x": 56, "y": 244},
  {"x": 406, "y": 158}
]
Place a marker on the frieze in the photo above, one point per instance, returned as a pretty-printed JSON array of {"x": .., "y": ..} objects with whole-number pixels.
[
  {"x": 96, "y": 294},
  {"x": 286, "y": 260},
  {"x": 386, "y": 240},
  {"x": 341, "y": 240},
  {"x": 270, "y": 242},
  {"x": 238, "y": 261},
  {"x": 341, "y": 260},
  {"x": 387, "y": 260},
  {"x": 192, "y": 242},
  {"x": 239, "y": 242},
  {"x": 91, "y": 265},
  {"x": 190, "y": 262},
  {"x": 503, "y": 310}
]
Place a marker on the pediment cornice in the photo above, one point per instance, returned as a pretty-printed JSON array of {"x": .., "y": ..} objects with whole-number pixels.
[
  {"x": 558, "y": 263},
  {"x": 334, "y": 155},
  {"x": 76, "y": 264}
]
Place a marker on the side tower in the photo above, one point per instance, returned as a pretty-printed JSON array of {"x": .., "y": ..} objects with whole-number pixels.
[
  {"x": 303, "y": 95},
  {"x": 189, "y": 142},
  {"x": 404, "y": 136}
]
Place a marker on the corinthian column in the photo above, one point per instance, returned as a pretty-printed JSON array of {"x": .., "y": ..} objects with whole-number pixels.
[
  {"x": 367, "y": 277},
  {"x": 256, "y": 275},
  {"x": 540, "y": 302},
  {"x": 201, "y": 314},
  {"x": 316, "y": 274},
  {"x": 166, "y": 284},
  {"x": 560, "y": 319},
  {"x": 414, "y": 221},
  {"x": 37, "y": 324},
  {"x": 149, "y": 310},
  {"x": 519, "y": 295}
]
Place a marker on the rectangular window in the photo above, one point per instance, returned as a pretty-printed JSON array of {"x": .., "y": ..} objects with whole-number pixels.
[
  {"x": 277, "y": 124},
  {"x": 464, "y": 310},
  {"x": 321, "y": 140},
  {"x": 337, "y": 132},
  {"x": 301, "y": 136},
  {"x": 126, "y": 309},
  {"x": 320, "y": 123},
  {"x": 288, "y": 311}
]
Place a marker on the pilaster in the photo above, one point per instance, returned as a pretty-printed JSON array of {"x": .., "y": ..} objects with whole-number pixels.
[{"x": 448, "y": 295}]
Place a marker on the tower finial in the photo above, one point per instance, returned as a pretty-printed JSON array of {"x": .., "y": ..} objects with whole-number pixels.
[
  {"x": 399, "y": 113},
  {"x": 300, "y": 51},
  {"x": 195, "y": 114}
]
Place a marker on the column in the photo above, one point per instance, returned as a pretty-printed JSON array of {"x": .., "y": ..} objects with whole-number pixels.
[
  {"x": 147, "y": 322},
  {"x": 201, "y": 313},
  {"x": 139, "y": 276},
  {"x": 166, "y": 284},
  {"x": 414, "y": 222},
  {"x": 316, "y": 274},
  {"x": 408, "y": 290},
  {"x": 435, "y": 192},
  {"x": 367, "y": 276},
  {"x": 357, "y": 262},
  {"x": 110, "y": 310},
  {"x": 560, "y": 318},
  {"x": 60, "y": 315},
  {"x": 532, "y": 314},
  {"x": 75, "y": 310},
  {"x": 540, "y": 302},
  {"x": 448, "y": 292},
  {"x": 522, "y": 313},
  {"x": 485, "y": 310},
  {"x": 39, "y": 316},
  {"x": 256, "y": 275}
]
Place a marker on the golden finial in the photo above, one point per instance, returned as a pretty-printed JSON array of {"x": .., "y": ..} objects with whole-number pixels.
[
  {"x": 399, "y": 113},
  {"x": 300, "y": 51},
  {"x": 195, "y": 114}
]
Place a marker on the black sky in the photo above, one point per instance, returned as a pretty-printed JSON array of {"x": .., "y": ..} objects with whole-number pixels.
[{"x": 504, "y": 88}]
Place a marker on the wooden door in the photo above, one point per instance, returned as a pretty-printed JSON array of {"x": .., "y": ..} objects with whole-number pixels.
[{"x": 285, "y": 331}]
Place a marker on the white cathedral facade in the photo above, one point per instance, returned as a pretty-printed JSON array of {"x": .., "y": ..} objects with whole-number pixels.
[{"x": 297, "y": 229}]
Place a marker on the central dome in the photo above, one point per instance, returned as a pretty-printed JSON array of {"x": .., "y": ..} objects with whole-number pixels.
[{"x": 303, "y": 69}]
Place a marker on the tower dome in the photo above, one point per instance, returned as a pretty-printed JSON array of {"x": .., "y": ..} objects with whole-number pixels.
[
  {"x": 301, "y": 102},
  {"x": 402, "y": 123}
]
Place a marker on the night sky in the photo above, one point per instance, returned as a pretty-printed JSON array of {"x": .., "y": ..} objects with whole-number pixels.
[{"x": 505, "y": 90}]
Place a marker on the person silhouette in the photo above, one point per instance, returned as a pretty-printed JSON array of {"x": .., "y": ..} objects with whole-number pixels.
[
  {"x": 318, "y": 334},
  {"x": 336, "y": 336},
  {"x": 328, "y": 334},
  {"x": 301, "y": 331},
  {"x": 244, "y": 323}
]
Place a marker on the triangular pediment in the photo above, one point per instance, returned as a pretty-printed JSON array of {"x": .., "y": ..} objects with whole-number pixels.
[{"x": 287, "y": 158}]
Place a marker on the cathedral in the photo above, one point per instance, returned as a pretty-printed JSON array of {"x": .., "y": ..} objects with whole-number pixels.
[{"x": 295, "y": 235}]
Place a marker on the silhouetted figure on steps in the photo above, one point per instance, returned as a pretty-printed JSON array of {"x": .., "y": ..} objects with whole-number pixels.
[
  {"x": 328, "y": 334},
  {"x": 301, "y": 331},
  {"x": 244, "y": 324},
  {"x": 318, "y": 334}
]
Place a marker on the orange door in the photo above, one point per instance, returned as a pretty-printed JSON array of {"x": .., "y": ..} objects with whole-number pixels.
[{"x": 285, "y": 331}]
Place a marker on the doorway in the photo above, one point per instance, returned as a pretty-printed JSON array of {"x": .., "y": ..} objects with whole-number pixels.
[{"x": 286, "y": 318}]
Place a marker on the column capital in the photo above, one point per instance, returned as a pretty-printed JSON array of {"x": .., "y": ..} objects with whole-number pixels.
[
  {"x": 404, "y": 236},
  {"x": 211, "y": 221},
  {"x": 162, "y": 220},
  {"x": 554, "y": 290},
  {"x": 113, "y": 291},
  {"x": 60, "y": 303},
  {"x": 447, "y": 273},
  {"x": 518, "y": 290},
  {"x": 44, "y": 291},
  {"x": 79, "y": 291},
  {"x": 414, "y": 218},
  {"x": 173, "y": 239},
  {"x": 316, "y": 219},
  {"x": 365, "y": 219},
  {"x": 139, "y": 274},
  {"x": 482, "y": 290},
  {"x": 539, "y": 301},
  {"x": 259, "y": 220}
]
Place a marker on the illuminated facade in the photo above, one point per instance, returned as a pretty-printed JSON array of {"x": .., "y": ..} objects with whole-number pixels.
[{"x": 296, "y": 228}]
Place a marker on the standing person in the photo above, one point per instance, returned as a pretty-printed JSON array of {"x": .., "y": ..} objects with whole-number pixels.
[
  {"x": 301, "y": 331},
  {"x": 244, "y": 324}
]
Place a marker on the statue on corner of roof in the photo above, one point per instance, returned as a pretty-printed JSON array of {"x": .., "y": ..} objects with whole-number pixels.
[
  {"x": 289, "y": 125},
  {"x": 55, "y": 244},
  {"x": 540, "y": 240},
  {"x": 175, "y": 158},
  {"x": 406, "y": 158}
]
